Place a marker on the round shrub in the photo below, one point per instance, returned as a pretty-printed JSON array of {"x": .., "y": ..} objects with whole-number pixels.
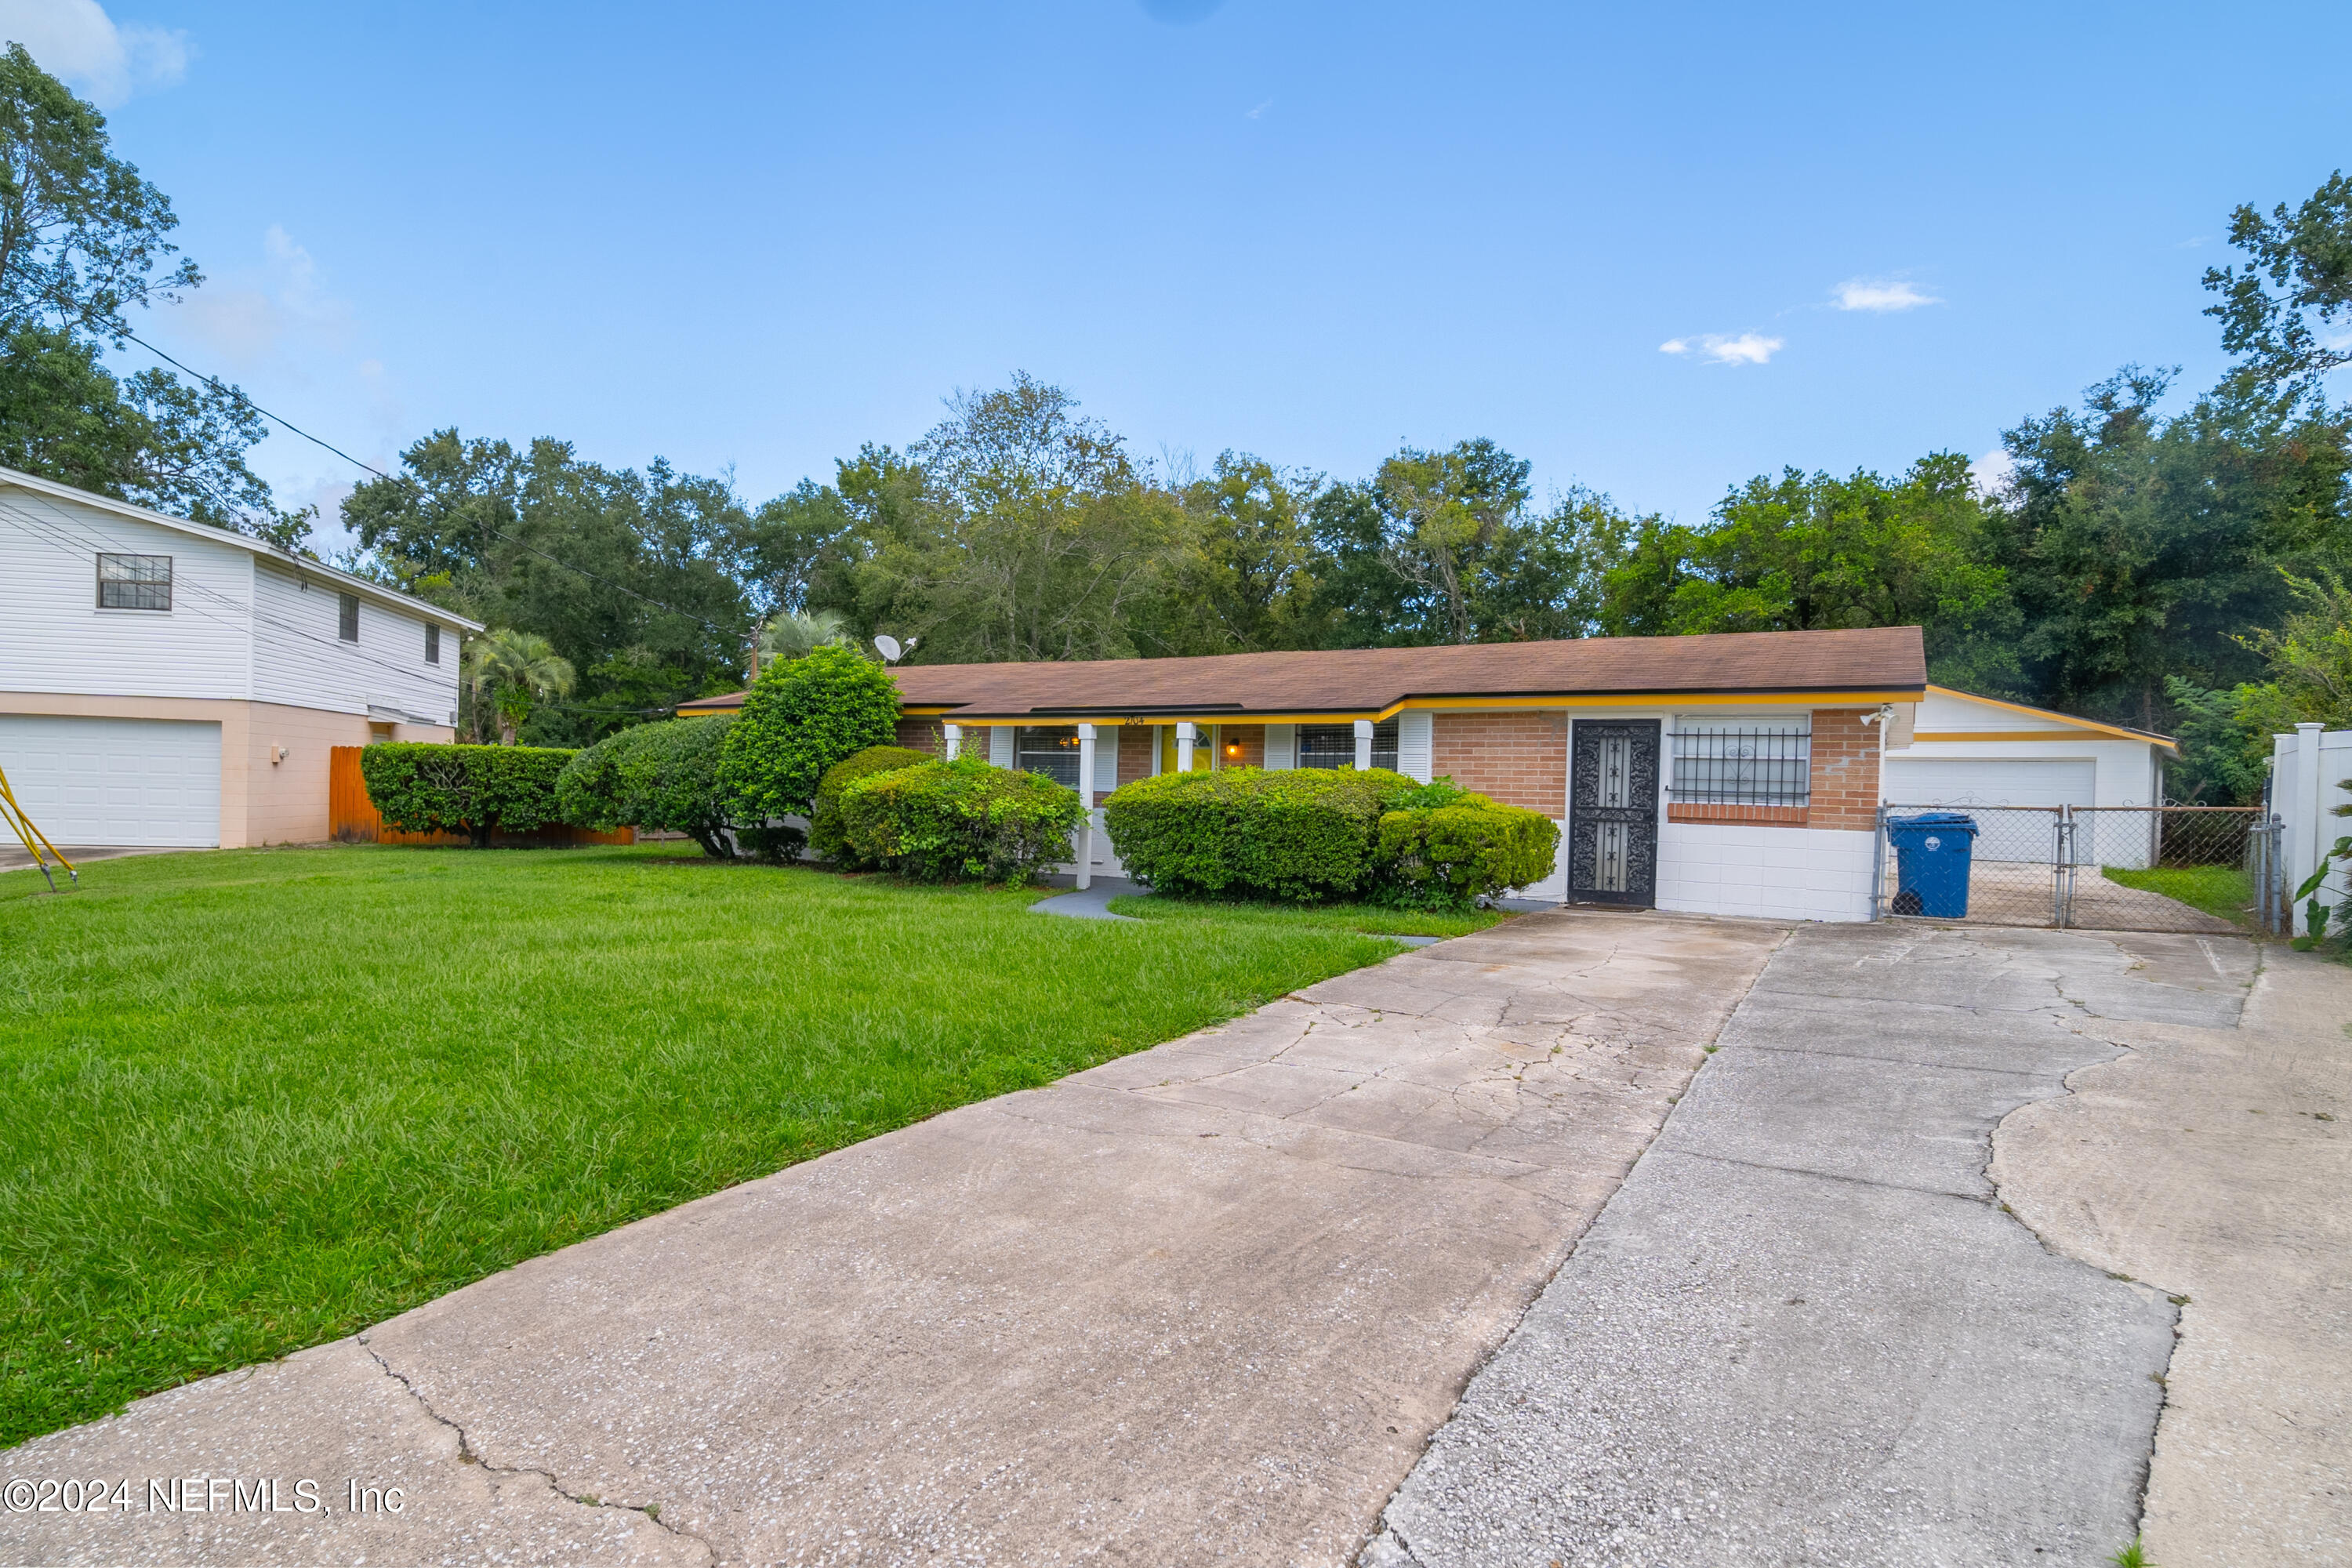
[
  {"x": 944, "y": 822},
  {"x": 824, "y": 821},
  {"x": 661, "y": 776},
  {"x": 1303, "y": 835},
  {"x": 1447, "y": 856},
  {"x": 802, "y": 716}
]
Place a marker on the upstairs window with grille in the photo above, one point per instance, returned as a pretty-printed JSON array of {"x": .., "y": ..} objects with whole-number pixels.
[
  {"x": 1049, "y": 749},
  {"x": 135, "y": 582},
  {"x": 1334, "y": 745},
  {"x": 1743, "y": 767}
]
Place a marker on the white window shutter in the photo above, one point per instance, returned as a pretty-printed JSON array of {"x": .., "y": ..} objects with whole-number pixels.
[
  {"x": 1000, "y": 745},
  {"x": 1106, "y": 759},
  {"x": 1413, "y": 752},
  {"x": 1282, "y": 746}
]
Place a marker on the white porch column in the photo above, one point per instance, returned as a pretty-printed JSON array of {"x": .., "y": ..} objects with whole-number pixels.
[
  {"x": 1183, "y": 748},
  {"x": 1087, "y": 799},
  {"x": 2305, "y": 834},
  {"x": 1363, "y": 746},
  {"x": 954, "y": 741}
]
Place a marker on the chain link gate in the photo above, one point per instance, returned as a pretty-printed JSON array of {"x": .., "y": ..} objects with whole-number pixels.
[{"x": 2119, "y": 868}]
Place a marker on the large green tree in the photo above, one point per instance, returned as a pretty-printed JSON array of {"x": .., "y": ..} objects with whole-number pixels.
[
  {"x": 1810, "y": 552},
  {"x": 84, "y": 238},
  {"x": 1443, "y": 547},
  {"x": 1018, "y": 529},
  {"x": 635, "y": 578}
]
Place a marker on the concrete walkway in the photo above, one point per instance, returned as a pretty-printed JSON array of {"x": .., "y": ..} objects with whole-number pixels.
[
  {"x": 1202, "y": 1304},
  {"x": 1806, "y": 1331},
  {"x": 2216, "y": 1164}
]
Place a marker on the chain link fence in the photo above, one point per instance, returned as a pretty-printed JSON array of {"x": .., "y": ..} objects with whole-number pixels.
[{"x": 2171, "y": 868}]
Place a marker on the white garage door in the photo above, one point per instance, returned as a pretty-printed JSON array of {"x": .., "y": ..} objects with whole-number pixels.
[
  {"x": 115, "y": 780},
  {"x": 1924, "y": 781}
]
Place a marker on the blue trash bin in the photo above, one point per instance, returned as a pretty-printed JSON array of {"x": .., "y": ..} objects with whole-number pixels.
[{"x": 1931, "y": 863}]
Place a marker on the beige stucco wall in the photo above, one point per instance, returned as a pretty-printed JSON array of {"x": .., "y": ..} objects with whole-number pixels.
[{"x": 263, "y": 800}]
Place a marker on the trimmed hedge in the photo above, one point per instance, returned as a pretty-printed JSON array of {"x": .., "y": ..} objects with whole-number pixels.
[
  {"x": 418, "y": 787},
  {"x": 663, "y": 776},
  {"x": 1447, "y": 856},
  {"x": 824, "y": 821},
  {"x": 1304, "y": 835},
  {"x": 943, "y": 822},
  {"x": 802, "y": 716}
]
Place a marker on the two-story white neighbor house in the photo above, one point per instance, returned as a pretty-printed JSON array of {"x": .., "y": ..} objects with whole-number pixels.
[{"x": 164, "y": 682}]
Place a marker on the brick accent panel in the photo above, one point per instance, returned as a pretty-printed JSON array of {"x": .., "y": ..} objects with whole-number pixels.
[
  {"x": 1135, "y": 743},
  {"x": 1519, "y": 758},
  {"x": 1250, "y": 738},
  {"x": 925, "y": 735},
  {"x": 1762, "y": 815},
  {"x": 1845, "y": 770}
]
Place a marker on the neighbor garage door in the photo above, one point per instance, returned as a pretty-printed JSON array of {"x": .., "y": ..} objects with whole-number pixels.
[
  {"x": 115, "y": 780},
  {"x": 1923, "y": 781}
]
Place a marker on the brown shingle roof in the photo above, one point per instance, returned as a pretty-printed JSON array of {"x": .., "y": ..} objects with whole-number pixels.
[{"x": 1889, "y": 661}]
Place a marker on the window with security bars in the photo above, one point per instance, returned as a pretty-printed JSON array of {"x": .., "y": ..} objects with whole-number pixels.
[
  {"x": 1334, "y": 745},
  {"x": 135, "y": 582},
  {"x": 1767, "y": 766},
  {"x": 1049, "y": 749}
]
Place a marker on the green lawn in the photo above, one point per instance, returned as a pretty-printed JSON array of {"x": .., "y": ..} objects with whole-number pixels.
[
  {"x": 258, "y": 1098},
  {"x": 1367, "y": 918},
  {"x": 2222, "y": 890}
]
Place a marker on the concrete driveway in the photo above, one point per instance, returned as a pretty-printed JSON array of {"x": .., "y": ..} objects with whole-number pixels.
[
  {"x": 1206, "y": 1303},
  {"x": 1813, "y": 1328}
]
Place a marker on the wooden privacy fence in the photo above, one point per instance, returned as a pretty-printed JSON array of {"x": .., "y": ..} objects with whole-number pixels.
[{"x": 352, "y": 816}]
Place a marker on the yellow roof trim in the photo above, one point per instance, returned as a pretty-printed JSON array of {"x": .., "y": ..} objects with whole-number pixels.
[
  {"x": 1964, "y": 737},
  {"x": 1444, "y": 704},
  {"x": 2117, "y": 731}
]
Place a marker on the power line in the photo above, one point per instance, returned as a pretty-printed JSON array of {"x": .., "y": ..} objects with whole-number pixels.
[{"x": 238, "y": 393}]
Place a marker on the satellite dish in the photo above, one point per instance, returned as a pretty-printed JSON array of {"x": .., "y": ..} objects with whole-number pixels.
[{"x": 891, "y": 651}]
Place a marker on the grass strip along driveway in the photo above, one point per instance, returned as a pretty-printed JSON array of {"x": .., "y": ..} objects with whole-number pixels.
[{"x": 259, "y": 1099}]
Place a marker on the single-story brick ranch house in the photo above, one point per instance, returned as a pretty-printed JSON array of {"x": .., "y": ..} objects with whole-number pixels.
[
  {"x": 1721, "y": 775},
  {"x": 1734, "y": 774}
]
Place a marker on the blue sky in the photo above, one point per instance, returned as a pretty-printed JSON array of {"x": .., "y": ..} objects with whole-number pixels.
[{"x": 757, "y": 236}]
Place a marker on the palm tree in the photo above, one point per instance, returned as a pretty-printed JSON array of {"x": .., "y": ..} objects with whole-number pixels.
[
  {"x": 505, "y": 670},
  {"x": 793, "y": 633}
]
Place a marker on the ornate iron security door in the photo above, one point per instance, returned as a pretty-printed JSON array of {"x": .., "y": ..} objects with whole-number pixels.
[{"x": 1613, "y": 812}]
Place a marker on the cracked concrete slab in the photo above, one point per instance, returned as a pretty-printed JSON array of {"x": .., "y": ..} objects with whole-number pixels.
[
  {"x": 2214, "y": 1162},
  {"x": 1202, "y": 1303},
  {"x": 1805, "y": 1331}
]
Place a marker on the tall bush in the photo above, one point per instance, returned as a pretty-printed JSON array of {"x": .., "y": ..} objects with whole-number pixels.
[
  {"x": 663, "y": 776},
  {"x": 948, "y": 821},
  {"x": 825, "y": 820},
  {"x": 1304, "y": 835},
  {"x": 475, "y": 790},
  {"x": 801, "y": 717}
]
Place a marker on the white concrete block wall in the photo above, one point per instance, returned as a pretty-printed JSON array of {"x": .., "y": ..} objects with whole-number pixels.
[{"x": 1775, "y": 873}]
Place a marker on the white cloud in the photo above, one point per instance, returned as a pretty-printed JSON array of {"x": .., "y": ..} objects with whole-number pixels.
[
  {"x": 77, "y": 42},
  {"x": 1716, "y": 348},
  {"x": 258, "y": 312},
  {"x": 1993, "y": 471},
  {"x": 1879, "y": 294},
  {"x": 1260, "y": 110}
]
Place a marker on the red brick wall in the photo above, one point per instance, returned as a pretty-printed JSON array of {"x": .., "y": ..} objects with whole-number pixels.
[
  {"x": 1250, "y": 738},
  {"x": 923, "y": 734},
  {"x": 1520, "y": 759},
  {"x": 1845, "y": 770},
  {"x": 1135, "y": 743}
]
